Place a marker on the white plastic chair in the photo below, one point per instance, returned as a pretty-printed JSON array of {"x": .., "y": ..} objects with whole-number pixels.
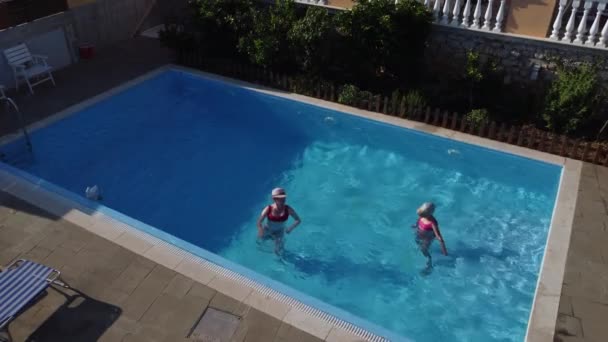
[{"x": 28, "y": 67}]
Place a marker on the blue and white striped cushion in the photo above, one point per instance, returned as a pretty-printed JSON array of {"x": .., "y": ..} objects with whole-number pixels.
[{"x": 20, "y": 285}]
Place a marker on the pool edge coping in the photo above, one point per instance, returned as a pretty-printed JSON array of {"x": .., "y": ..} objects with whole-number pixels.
[{"x": 544, "y": 310}]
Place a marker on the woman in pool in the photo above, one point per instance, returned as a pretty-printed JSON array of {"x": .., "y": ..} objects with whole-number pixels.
[
  {"x": 276, "y": 215},
  {"x": 427, "y": 229}
]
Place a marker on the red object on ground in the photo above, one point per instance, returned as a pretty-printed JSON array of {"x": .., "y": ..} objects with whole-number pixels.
[{"x": 87, "y": 51}]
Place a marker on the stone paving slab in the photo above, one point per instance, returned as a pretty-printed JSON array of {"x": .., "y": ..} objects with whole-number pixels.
[
  {"x": 117, "y": 295},
  {"x": 583, "y": 310}
]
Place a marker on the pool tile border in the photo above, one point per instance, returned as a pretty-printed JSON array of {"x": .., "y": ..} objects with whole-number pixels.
[{"x": 543, "y": 316}]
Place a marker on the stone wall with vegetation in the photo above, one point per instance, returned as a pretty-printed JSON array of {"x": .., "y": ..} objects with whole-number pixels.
[{"x": 517, "y": 56}]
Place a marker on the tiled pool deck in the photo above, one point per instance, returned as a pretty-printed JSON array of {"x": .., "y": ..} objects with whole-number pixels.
[{"x": 129, "y": 297}]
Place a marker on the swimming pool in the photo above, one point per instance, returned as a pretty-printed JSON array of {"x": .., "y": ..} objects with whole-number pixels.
[{"x": 197, "y": 159}]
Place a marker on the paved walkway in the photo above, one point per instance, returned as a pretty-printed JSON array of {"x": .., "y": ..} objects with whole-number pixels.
[
  {"x": 584, "y": 302},
  {"x": 119, "y": 295}
]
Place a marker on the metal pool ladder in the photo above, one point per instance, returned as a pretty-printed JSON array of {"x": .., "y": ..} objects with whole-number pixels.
[{"x": 10, "y": 104}]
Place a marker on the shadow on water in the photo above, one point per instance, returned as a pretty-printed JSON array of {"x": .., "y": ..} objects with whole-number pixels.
[
  {"x": 471, "y": 255},
  {"x": 343, "y": 268}
]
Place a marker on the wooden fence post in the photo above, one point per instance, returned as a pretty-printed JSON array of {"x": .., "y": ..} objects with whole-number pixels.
[
  {"x": 454, "y": 121},
  {"x": 436, "y": 117},
  {"x": 427, "y": 115},
  {"x": 541, "y": 140},
  {"x": 385, "y": 107},
  {"x": 532, "y": 138},
  {"x": 596, "y": 158},
  {"x": 332, "y": 94},
  {"x": 492, "y": 130},
  {"x": 586, "y": 150},
  {"x": 444, "y": 121},
  {"x": 562, "y": 151},
  {"x": 463, "y": 123},
  {"x": 402, "y": 108},
  {"x": 574, "y": 150},
  {"x": 378, "y": 99},
  {"x": 511, "y": 135},
  {"x": 501, "y": 132},
  {"x": 520, "y": 138},
  {"x": 606, "y": 160},
  {"x": 482, "y": 129}
]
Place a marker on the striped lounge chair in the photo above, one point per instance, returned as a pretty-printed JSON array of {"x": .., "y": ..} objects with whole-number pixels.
[{"x": 20, "y": 283}]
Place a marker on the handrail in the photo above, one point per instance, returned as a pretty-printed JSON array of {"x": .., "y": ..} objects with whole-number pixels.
[{"x": 11, "y": 103}]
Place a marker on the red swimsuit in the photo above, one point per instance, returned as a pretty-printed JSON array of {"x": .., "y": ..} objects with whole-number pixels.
[{"x": 281, "y": 218}]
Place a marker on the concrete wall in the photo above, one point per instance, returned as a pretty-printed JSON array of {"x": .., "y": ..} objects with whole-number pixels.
[
  {"x": 47, "y": 36},
  {"x": 447, "y": 48},
  {"x": 97, "y": 22}
]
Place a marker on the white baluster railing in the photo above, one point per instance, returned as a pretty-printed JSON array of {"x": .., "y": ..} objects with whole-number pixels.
[
  {"x": 557, "y": 24},
  {"x": 466, "y": 15},
  {"x": 570, "y": 25},
  {"x": 603, "y": 36},
  {"x": 487, "y": 22},
  {"x": 582, "y": 26},
  {"x": 595, "y": 27},
  {"x": 477, "y": 15},
  {"x": 437, "y": 10},
  {"x": 580, "y": 15},
  {"x": 446, "y": 12},
  {"x": 456, "y": 13},
  {"x": 500, "y": 16}
]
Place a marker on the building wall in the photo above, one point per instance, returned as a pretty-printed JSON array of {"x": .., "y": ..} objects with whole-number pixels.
[
  {"x": 46, "y": 36},
  {"x": 530, "y": 17},
  {"x": 447, "y": 48}
]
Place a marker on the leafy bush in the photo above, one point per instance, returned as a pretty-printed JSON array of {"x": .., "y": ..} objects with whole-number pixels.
[
  {"x": 415, "y": 99},
  {"x": 309, "y": 40},
  {"x": 349, "y": 95},
  {"x": 383, "y": 39},
  {"x": 477, "y": 116},
  {"x": 573, "y": 98},
  {"x": 267, "y": 44},
  {"x": 211, "y": 26}
]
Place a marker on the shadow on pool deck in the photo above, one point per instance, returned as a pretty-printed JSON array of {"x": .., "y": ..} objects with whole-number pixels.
[{"x": 80, "y": 318}]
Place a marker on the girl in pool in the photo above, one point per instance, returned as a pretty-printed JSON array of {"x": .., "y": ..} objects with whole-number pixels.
[
  {"x": 276, "y": 216},
  {"x": 427, "y": 229}
]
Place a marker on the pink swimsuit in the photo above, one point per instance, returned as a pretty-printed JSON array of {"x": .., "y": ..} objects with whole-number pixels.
[{"x": 425, "y": 226}]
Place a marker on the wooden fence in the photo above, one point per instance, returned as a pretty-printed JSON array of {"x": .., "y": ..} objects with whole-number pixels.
[{"x": 525, "y": 136}]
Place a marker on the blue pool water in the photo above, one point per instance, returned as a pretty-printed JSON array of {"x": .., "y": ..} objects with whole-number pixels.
[{"x": 197, "y": 159}]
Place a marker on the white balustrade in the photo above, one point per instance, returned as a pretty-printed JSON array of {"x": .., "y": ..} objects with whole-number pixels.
[
  {"x": 446, "y": 12},
  {"x": 500, "y": 16},
  {"x": 603, "y": 36},
  {"x": 477, "y": 15},
  {"x": 487, "y": 23},
  {"x": 595, "y": 27},
  {"x": 456, "y": 13},
  {"x": 557, "y": 24},
  {"x": 466, "y": 15},
  {"x": 570, "y": 25},
  {"x": 437, "y": 9},
  {"x": 580, "y": 15},
  {"x": 582, "y": 26}
]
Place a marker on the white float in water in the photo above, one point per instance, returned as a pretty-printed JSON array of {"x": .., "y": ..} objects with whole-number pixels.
[
  {"x": 452, "y": 151},
  {"x": 93, "y": 193}
]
